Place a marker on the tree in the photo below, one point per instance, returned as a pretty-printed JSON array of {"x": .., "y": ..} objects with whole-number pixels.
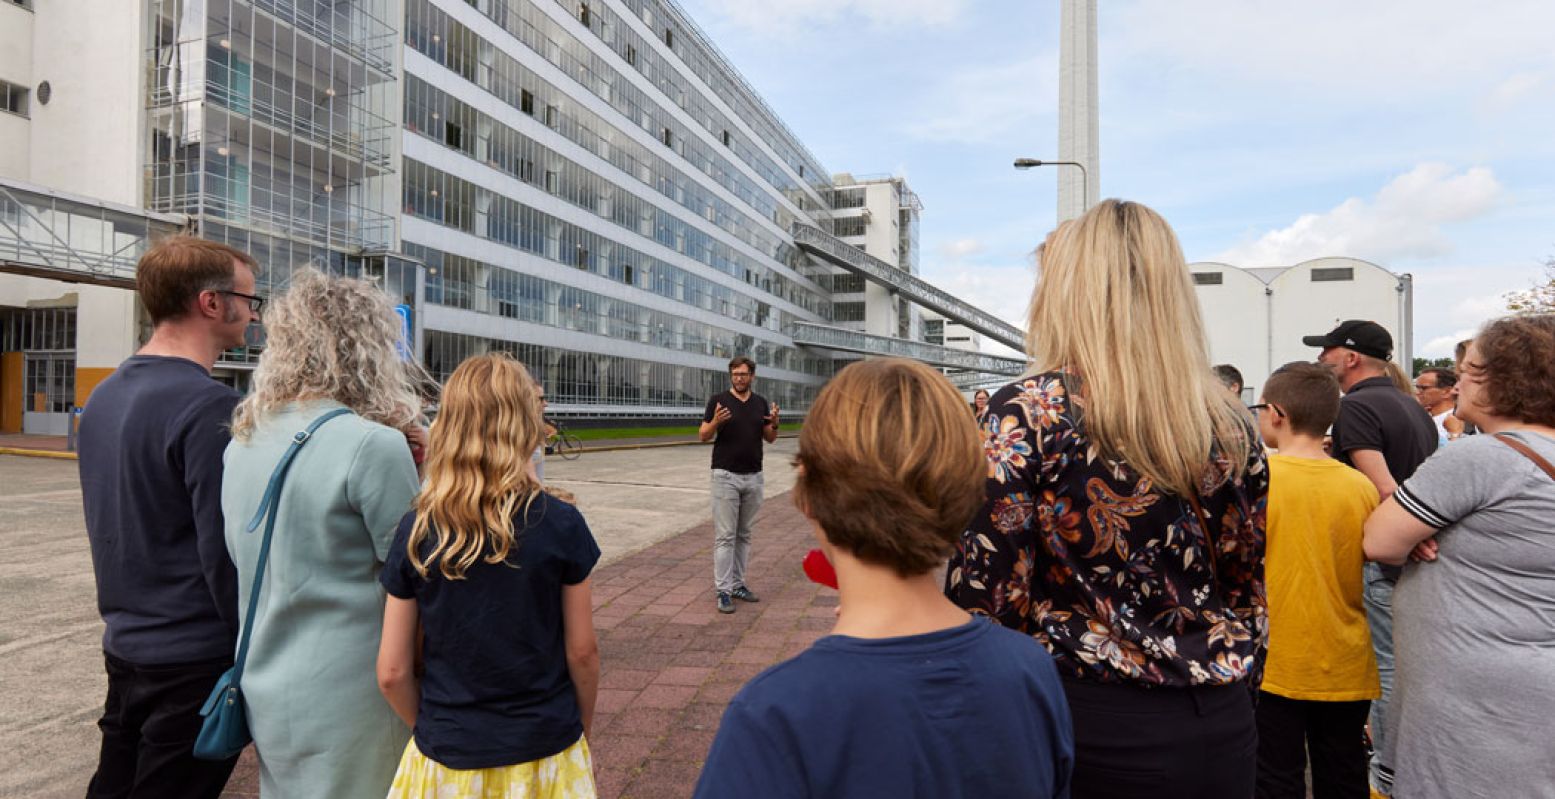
[
  {"x": 1539, "y": 299},
  {"x": 1421, "y": 364}
]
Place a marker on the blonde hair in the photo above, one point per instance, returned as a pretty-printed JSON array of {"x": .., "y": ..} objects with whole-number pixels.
[
  {"x": 1396, "y": 374},
  {"x": 477, "y": 473},
  {"x": 1114, "y": 305},
  {"x": 893, "y": 467},
  {"x": 331, "y": 338}
]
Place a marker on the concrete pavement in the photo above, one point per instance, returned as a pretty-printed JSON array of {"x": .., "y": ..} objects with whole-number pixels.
[{"x": 669, "y": 661}]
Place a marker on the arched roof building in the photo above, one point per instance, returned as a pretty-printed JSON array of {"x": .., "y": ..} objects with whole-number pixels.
[{"x": 1255, "y": 318}]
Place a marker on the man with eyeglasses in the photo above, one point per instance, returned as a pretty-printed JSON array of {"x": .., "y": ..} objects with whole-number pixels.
[
  {"x": 737, "y": 421},
  {"x": 152, "y": 439},
  {"x": 1436, "y": 389}
]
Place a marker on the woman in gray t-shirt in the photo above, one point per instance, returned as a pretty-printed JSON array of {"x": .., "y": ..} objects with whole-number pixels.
[{"x": 1474, "y": 615}]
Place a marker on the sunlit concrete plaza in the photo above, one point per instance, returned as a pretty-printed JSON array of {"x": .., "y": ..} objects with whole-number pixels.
[{"x": 670, "y": 663}]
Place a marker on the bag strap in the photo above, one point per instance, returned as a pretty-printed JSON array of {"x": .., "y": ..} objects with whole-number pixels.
[
  {"x": 1209, "y": 538},
  {"x": 1528, "y": 453},
  {"x": 268, "y": 505}
]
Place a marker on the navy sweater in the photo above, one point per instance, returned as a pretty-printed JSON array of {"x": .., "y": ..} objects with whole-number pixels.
[{"x": 152, "y": 438}]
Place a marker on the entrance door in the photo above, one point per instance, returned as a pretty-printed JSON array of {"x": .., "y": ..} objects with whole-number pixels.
[{"x": 50, "y": 396}]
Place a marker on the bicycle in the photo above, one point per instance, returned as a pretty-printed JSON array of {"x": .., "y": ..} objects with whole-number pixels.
[{"x": 562, "y": 442}]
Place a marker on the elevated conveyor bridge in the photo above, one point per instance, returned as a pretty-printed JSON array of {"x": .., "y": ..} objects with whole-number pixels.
[
  {"x": 834, "y": 251},
  {"x": 45, "y": 233}
]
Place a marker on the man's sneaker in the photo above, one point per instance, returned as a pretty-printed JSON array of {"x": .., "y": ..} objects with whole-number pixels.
[
  {"x": 744, "y": 595},
  {"x": 725, "y": 604}
]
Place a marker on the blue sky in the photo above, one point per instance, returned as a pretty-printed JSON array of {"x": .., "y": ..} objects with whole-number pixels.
[{"x": 1418, "y": 135}]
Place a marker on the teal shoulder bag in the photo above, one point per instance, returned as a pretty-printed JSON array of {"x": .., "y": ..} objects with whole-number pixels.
[{"x": 224, "y": 732}]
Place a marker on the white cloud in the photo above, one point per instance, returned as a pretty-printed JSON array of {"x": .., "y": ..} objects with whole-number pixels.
[
  {"x": 1381, "y": 51},
  {"x": 791, "y": 17},
  {"x": 961, "y": 248},
  {"x": 1444, "y": 346},
  {"x": 1406, "y": 219},
  {"x": 982, "y": 103}
]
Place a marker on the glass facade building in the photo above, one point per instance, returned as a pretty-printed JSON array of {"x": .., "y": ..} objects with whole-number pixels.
[
  {"x": 594, "y": 189},
  {"x": 273, "y": 124}
]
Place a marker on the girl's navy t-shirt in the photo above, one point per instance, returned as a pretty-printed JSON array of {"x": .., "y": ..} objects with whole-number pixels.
[{"x": 496, "y": 690}]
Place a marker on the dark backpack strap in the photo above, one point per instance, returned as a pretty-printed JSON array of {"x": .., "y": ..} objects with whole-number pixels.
[
  {"x": 268, "y": 505},
  {"x": 1528, "y": 453}
]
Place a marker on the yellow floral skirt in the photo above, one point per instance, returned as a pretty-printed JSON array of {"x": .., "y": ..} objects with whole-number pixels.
[{"x": 568, "y": 774}]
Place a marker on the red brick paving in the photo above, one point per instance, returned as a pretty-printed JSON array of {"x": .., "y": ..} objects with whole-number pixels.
[{"x": 669, "y": 662}]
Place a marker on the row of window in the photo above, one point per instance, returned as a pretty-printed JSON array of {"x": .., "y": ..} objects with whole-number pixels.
[
  {"x": 847, "y": 311},
  {"x": 544, "y": 35},
  {"x": 851, "y": 197},
  {"x": 460, "y": 282},
  {"x": 1331, "y": 274},
  {"x": 439, "y": 37},
  {"x": 442, "y": 198},
  {"x": 13, "y": 98},
  {"x": 457, "y": 125},
  {"x": 586, "y": 378},
  {"x": 718, "y": 76},
  {"x": 849, "y": 226},
  {"x": 36, "y": 329}
]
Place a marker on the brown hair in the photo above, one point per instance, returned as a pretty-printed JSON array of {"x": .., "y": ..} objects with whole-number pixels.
[
  {"x": 741, "y": 360},
  {"x": 176, "y": 269},
  {"x": 1308, "y": 395},
  {"x": 1517, "y": 365},
  {"x": 891, "y": 465},
  {"x": 1445, "y": 378}
]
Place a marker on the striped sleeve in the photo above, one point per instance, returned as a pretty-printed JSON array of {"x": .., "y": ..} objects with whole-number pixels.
[{"x": 1418, "y": 509}]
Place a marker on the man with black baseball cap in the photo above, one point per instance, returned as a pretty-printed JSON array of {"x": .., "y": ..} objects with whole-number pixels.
[{"x": 1385, "y": 434}]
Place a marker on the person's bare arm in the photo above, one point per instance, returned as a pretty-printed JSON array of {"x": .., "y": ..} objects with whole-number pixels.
[
  {"x": 769, "y": 432},
  {"x": 710, "y": 429},
  {"x": 397, "y": 658},
  {"x": 1392, "y": 533},
  {"x": 582, "y": 647},
  {"x": 1371, "y": 463}
]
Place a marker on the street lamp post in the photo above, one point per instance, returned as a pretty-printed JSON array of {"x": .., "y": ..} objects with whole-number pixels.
[{"x": 1085, "y": 177}]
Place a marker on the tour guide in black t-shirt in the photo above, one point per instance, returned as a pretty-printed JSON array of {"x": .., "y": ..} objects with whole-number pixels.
[{"x": 741, "y": 420}]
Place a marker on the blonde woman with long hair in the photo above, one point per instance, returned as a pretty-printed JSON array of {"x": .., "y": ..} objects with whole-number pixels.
[
  {"x": 1123, "y": 525},
  {"x": 318, "y": 724},
  {"x": 496, "y": 574}
]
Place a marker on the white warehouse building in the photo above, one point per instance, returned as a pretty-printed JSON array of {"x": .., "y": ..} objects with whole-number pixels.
[{"x": 1255, "y": 318}]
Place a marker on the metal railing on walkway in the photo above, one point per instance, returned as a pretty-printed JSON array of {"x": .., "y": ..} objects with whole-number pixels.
[
  {"x": 44, "y": 233},
  {"x": 835, "y": 338},
  {"x": 916, "y": 289}
]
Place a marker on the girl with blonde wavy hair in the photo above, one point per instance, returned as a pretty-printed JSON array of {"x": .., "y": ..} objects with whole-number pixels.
[
  {"x": 496, "y": 574},
  {"x": 318, "y": 724},
  {"x": 1123, "y": 525}
]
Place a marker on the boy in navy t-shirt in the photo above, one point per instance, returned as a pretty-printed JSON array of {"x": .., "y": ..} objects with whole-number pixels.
[{"x": 910, "y": 696}]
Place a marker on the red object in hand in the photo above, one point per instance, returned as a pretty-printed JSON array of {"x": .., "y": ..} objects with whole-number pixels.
[{"x": 819, "y": 569}]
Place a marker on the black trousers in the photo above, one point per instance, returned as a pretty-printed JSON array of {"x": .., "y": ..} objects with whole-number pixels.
[
  {"x": 1332, "y": 732},
  {"x": 1162, "y": 743},
  {"x": 149, "y": 724}
]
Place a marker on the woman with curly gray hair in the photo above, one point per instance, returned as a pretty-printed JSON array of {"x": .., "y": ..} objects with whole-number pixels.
[{"x": 319, "y": 724}]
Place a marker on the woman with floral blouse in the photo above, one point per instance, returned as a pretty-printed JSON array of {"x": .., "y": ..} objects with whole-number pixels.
[{"x": 1124, "y": 520}]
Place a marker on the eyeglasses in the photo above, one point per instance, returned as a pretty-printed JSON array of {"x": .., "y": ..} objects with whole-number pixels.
[
  {"x": 1263, "y": 405},
  {"x": 1419, "y": 389},
  {"x": 254, "y": 303}
]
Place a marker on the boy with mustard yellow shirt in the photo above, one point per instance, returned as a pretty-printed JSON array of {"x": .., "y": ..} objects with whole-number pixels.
[{"x": 1320, "y": 673}]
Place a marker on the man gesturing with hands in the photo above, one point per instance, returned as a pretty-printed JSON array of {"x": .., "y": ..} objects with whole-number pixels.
[{"x": 737, "y": 421}]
